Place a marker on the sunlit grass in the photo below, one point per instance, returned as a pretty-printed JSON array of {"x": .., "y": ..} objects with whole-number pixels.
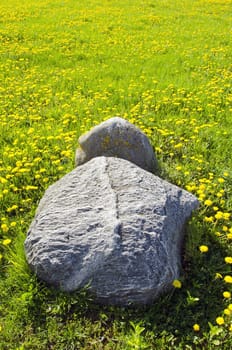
[{"x": 166, "y": 67}]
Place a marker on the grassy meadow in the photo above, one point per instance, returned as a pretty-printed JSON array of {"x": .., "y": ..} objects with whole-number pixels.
[{"x": 164, "y": 65}]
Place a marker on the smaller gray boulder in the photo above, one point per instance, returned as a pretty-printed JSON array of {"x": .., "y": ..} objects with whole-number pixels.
[{"x": 118, "y": 138}]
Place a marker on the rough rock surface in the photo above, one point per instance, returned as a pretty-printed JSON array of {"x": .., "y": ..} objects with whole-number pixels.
[
  {"x": 116, "y": 137},
  {"x": 112, "y": 224}
]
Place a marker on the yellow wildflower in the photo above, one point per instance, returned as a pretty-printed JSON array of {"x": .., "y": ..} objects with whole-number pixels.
[
  {"x": 177, "y": 284},
  {"x": 14, "y": 207},
  {"x": 220, "y": 320},
  {"x": 6, "y": 241},
  {"x": 208, "y": 219},
  {"x": 208, "y": 202},
  {"x": 30, "y": 187},
  {"x": 227, "y": 294},
  {"x": 196, "y": 327},
  {"x": 228, "y": 279},
  {"x": 4, "y": 228},
  {"x": 219, "y": 215},
  {"x": 227, "y": 312},
  {"x": 203, "y": 249},
  {"x": 228, "y": 259},
  {"x": 226, "y": 216}
]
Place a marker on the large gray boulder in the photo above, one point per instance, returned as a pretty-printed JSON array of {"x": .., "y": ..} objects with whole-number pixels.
[
  {"x": 113, "y": 225},
  {"x": 116, "y": 137}
]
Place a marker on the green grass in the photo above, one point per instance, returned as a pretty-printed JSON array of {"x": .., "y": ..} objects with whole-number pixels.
[{"x": 164, "y": 65}]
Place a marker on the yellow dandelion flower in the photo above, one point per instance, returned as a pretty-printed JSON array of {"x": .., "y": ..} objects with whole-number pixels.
[
  {"x": 30, "y": 187},
  {"x": 227, "y": 295},
  {"x": 230, "y": 307},
  {"x": 202, "y": 197},
  {"x": 4, "y": 228},
  {"x": 221, "y": 180},
  {"x": 228, "y": 279},
  {"x": 230, "y": 328},
  {"x": 178, "y": 145},
  {"x": 202, "y": 187},
  {"x": 208, "y": 218},
  {"x": 3, "y": 180},
  {"x": 14, "y": 207},
  {"x": 203, "y": 249},
  {"x": 228, "y": 259},
  {"x": 227, "y": 312},
  {"x": 177, "y": 284},
  {"x": 220, "y": 320},
  {"x": 219, "y": 215},
  {"x": 196, "y": 327},
  {"x": 208, "y": 202},
  {"x": 6, "y": 241},
  {"x": 226, "y": 216}
]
